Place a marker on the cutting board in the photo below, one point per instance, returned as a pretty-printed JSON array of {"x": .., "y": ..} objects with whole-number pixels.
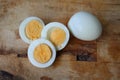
[{"x": 79, "y": 60}]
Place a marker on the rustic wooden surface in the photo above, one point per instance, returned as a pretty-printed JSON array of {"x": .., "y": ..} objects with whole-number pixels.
[{"x": 105, "y": 52}]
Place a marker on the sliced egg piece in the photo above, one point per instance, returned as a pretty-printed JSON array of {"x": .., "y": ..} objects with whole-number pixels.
[
  {"x": 57, "y": 33},
  {"x": 41, "y": 53},
  {"x": 30, "y": 29}
]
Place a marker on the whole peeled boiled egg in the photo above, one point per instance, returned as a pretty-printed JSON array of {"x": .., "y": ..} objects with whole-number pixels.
[
  {"x": 57, "y": 33},
  {"x": 85, "y": 26},
  {"x": 30, "y": 29}
]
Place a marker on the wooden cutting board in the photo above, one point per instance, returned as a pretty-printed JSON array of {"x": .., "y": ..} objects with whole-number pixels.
[{"x": 98, "y": 60}]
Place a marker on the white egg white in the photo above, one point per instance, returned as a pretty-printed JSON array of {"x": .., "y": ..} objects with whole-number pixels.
[
  {"x": 85, "y": 26},
  {"x": 31, "y": 48},
  {"x": 23, "y": 25},
  {"x": 47, "y": 29}
]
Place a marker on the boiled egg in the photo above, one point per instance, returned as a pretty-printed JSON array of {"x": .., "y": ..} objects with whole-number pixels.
[
  {"x": 85, "y": 26},
  {"x": 57, "y": 33},
  {"x": 30, "y": 29},
  {"x": 41, "y": 53}
]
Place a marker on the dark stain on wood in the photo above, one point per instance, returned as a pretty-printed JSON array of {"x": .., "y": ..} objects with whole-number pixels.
[
  {"x": 22, "y": 55},
  {"x": 4, "y": 75},
  {"x": 45, "y": 78},
  {"x": 85, "y": 56}
]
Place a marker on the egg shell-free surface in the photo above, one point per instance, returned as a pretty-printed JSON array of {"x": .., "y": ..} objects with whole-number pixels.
[
  {"x": 23, "y": 26},
  {"x": 85, "y": 26},
  {"x": 31, "y": 48},
  {"x": 47, "y": 30}
]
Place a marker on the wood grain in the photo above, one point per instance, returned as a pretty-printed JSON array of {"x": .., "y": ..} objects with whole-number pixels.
[{"x": 104, "y": 52}]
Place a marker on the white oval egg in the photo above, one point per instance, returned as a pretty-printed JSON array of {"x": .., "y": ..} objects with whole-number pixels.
[
  {"x": 57, "y": 33},
  {"x": 85, "y": 26},
  {"x": 22, "y": 28},
  {"x": 31, "y": 50}
]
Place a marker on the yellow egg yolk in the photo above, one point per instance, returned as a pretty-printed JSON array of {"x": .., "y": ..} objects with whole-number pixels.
[
  {"x": 57, "y": 36},
  {"x": 33, "y": 29},
  {"x": 42, "y": 53}
]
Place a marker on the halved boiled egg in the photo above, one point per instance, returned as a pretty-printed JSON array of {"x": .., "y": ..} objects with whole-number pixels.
[
  {"x": 41, "y": 53},
  {"x": 57, "y": 33},
  {"x": 30, "y": 29}
]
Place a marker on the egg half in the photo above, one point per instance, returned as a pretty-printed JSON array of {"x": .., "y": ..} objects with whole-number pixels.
[
  {"x": 41, "y": 53},
  {"x": 85, "y": 26},
  {"x": 30, "y": 29},
  {"x": 57, "y": 33}
]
